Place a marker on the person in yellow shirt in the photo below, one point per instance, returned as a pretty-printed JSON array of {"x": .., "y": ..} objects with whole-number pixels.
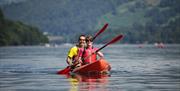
[{"x": 73, "y": 52}]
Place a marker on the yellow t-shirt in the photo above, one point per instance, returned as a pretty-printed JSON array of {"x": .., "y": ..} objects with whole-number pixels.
[{"x": 73, "y": 52}]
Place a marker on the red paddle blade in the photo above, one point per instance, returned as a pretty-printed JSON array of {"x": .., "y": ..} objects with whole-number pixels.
[
  {"x": 64, "y": 71},
  {"x": 115, "y": 39},
  {"x": 102, "y": 30},
  {"x": 119, "y": 37}
]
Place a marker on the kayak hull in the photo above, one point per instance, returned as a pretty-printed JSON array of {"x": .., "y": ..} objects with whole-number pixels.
[{"x": 98, "y": 67}]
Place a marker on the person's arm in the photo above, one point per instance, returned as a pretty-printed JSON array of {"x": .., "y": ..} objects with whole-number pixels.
[
  {"x": 80, "y": 53},
  {"x": 100, "y": 54},
  {"x": 69, "y": 61},
  {"x": 70, "y": 56}
]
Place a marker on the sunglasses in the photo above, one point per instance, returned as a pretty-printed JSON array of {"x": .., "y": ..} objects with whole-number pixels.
[{"x": 89, "y": 40}]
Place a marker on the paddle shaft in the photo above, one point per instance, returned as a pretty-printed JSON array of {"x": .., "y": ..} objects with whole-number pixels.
[{"x": 111, "y": 42}]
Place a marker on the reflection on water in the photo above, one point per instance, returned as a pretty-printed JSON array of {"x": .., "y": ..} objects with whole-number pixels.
[
  {"x": 133, "y": 68},
  {"x": 88, "y": 82}
]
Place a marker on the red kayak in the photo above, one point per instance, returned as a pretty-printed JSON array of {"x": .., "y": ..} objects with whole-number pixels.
[{"x": 98, "y": 67}]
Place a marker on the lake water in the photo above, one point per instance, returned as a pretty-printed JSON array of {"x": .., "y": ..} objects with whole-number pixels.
[{"x": 33, "y": 68}]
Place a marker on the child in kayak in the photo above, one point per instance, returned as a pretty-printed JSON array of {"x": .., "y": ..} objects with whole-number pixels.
[{"x": 88, "y": 55}]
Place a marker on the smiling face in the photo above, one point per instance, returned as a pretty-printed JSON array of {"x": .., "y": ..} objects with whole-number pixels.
[
  {"x": 89, "y": 41},
  {"x": 82, "y": 41}
]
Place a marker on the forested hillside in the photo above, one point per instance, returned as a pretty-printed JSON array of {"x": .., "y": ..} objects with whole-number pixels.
[
  {"x": 139, "y": 20},
  {"x": 147, "y": 22},
  {"x": 17, "y": 33}
]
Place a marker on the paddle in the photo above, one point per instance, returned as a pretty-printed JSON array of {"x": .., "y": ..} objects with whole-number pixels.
[
  {"x": 65, "y": 71},
  {"x": 111, "y": 42},
  {"x": 102, "y": 30},
  {"x": 68, "y": 68}
]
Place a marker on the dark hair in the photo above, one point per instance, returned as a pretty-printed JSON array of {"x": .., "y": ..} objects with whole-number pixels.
[
  {"x": 89, "y": 38},
  {"x": 82, "y": 35}
]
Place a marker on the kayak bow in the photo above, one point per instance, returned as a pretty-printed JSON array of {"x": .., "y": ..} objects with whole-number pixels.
[{"x": 98, "y": 67}]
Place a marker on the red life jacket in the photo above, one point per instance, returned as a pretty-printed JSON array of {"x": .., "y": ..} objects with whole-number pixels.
[{"x": 91, "y": 58}]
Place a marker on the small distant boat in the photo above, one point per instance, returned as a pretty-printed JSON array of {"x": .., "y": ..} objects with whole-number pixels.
[{"x": 159, "y": 45}]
